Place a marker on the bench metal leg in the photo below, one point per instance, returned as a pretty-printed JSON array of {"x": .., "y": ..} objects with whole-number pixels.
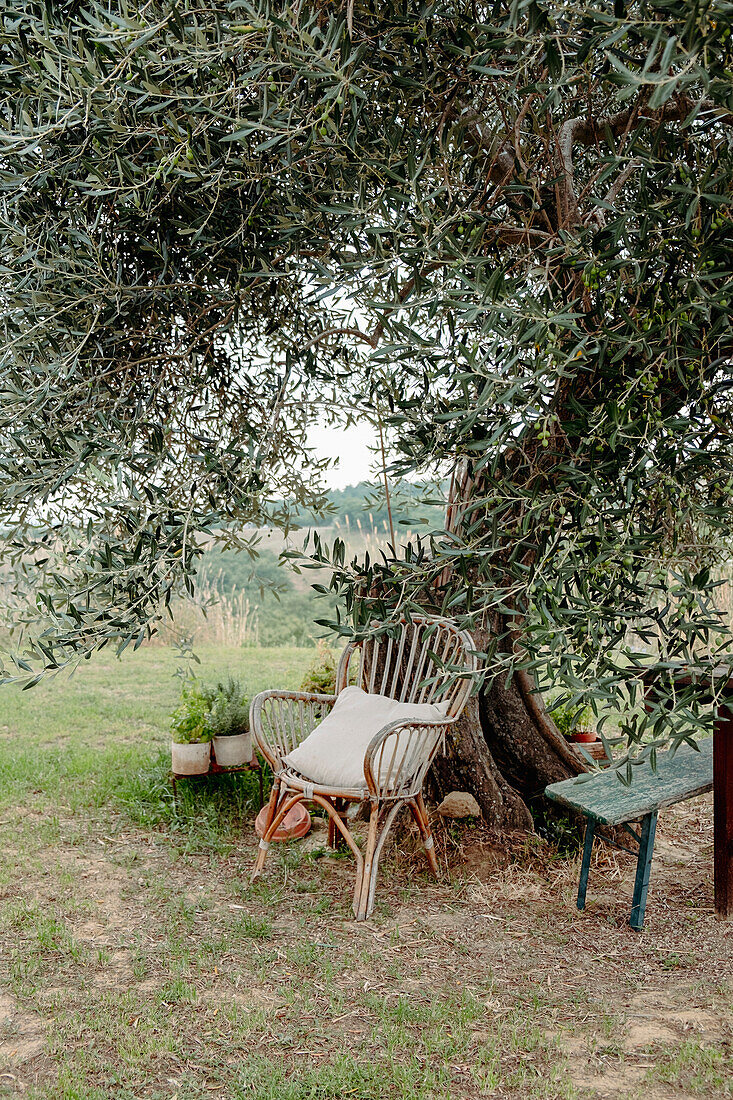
[
  {"x": 590, "y": 832},
  {"x": 643, "y": 869}
]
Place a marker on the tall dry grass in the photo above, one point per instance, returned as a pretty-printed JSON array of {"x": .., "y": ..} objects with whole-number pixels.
[
  {"x": 215, "y": 617},
  {"x": 360, "y": 539}
]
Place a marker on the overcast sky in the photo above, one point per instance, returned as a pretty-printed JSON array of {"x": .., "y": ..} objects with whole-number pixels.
[{"x": 350, "y": 446}]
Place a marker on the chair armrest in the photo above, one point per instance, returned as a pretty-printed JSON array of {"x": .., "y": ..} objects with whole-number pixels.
[
  {"x": 280, "y": 720},
  {"x": 398, "y": 757}
]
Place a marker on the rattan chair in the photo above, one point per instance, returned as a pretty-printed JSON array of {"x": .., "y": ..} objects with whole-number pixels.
[{"x": 415, "y": 664}]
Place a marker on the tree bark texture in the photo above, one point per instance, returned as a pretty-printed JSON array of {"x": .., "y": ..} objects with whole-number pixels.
[
  {"x": 505, "y": 751},
  {"x": 506, "y": 748}
]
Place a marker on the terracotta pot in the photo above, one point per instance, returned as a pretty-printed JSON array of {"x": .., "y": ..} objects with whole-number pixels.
[
  {"x": 193, "y": 759},
  {"x": 584, "y": 737},
  {"x": 294, "y": 825},
  {"x": 232, "y": 752}
]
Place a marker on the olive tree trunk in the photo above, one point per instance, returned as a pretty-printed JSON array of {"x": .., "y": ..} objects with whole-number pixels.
[{"x": 505, "y": 750}]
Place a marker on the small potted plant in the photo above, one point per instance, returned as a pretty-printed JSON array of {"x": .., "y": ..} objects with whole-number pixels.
[
  {"x": 191, "y": 734},
  {"x": 229, "y": 722},
  {"x": 583, "y": 732},
  {"x": 574, "y": 724}
]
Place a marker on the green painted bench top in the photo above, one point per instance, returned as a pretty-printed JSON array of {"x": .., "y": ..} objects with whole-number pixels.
[{"x": 605, "y": 799}]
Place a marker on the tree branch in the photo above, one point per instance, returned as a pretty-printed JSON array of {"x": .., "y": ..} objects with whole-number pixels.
[
  {"x": 355, "y": 332},
  {"x": 502, "y": 165},
  {"x": 588, "y": 131},
  {"x": 613, "y": 191}
]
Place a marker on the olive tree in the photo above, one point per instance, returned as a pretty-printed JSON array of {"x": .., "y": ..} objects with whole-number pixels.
[{"x": 503, "y": 229}]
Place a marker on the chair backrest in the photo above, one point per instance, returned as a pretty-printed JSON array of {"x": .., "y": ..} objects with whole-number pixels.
[{"x": 417, "y": 662}]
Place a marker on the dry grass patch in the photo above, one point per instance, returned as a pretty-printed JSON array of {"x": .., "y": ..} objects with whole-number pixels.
[{"x": 137, "y": 962}]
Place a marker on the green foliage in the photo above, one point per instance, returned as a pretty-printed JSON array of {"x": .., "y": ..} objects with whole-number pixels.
[
  {"x": 505, "y": 231},
  {"x": 569, "y": 719},
  {"x": 228, "y": 708},
  {"x": 191, "y": 720},
  {"x": 216, "y": 710},
  {"x": 563, "y": 832},
  {"x": 285, "y": 613},
  {"x": 321, "y": 675},
  {"x": 286, "y": 605},
  {"x": 151, "y": 267},
  {"x": 576, "y": 365}
]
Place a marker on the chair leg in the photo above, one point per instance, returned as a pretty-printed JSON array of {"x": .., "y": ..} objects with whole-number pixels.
[
  {"x": 335, "y": 838},
  {"x": 420, "y": 814},
  {"x": 343, "y": 836},
  {"x": 285, "y": 805},
  {"x": 271, "y": 807},
  {"x": 379, "y": 827},
  {"x": 361, "y": 885}
]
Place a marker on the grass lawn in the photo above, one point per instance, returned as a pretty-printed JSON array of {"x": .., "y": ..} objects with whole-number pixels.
[
  {"x": 136, "y": 960},
  {"x": 102, "y": 733}
]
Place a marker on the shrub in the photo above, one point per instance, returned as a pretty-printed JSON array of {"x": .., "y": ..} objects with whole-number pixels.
[
  {"x": 321, "y": 675},
  {"x": 221, "y": 710}
]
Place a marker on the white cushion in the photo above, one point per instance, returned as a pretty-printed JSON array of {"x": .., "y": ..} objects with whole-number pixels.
[{"x": 333, "y": 753}]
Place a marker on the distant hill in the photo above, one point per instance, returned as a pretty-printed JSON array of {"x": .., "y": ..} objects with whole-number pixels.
[
  {"x": 356, "y": 514},
  {"x": 413, "y": 504}
]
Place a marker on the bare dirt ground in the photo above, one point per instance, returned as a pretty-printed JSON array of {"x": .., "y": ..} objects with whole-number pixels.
[
  {"x": 134, "y": 967},
  {"x": 640, "y": 998}
]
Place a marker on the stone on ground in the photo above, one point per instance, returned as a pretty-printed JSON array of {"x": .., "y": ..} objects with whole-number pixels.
[{"x": 459, "y": 804}]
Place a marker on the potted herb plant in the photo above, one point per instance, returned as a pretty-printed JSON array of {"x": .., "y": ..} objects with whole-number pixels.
[
  {"x": 575, "y": 724},
  {"x": 229, "y": 722},
  {"x": 191, "y": 734}
]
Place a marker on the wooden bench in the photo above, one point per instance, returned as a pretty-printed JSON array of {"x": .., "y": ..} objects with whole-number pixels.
[{"x": 604, "y": 800}]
